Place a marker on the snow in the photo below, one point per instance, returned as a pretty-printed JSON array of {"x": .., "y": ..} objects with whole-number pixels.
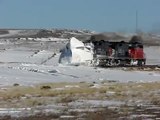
[
  {"x": 152, "y": 55},
  {"x": 35, "y": 63},
  {"x": 94, "y": 103},
  {"x": 11, "y": 33},
  {"x": 30, "y": 74},
  {"x": 74, "y": 43},
  {"x": 75, "y": 52},
  {"x": 51, "y": 39},
  {"x": 30, "y": 64}
]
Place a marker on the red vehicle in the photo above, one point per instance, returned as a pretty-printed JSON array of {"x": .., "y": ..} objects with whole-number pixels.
[
  {"x": 119, "y": 53},
  {"x": 136, "y": 54}
]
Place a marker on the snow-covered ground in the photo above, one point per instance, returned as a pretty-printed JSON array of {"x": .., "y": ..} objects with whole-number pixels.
[
  {"x": 153, "y": 55},
  {"x": 34, "y": 63}
]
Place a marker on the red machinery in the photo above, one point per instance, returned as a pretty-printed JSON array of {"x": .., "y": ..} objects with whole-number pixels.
[
  {"x": 136, "y": 53},
  {"x": 119, "y": 53}
]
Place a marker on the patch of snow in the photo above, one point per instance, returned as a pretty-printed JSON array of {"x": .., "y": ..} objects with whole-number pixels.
[
  {"x": 51, "y": 39},
  {"x": 96, "y": 86},
  {"x": 26, "y": 66},
  {"x": 94, "y": 103},
  {"x": 72, "y": 86},
  {"x": 152, "y": 55},
  {"x": 12, "y": 111},
  {"x": 110, "y": 93},
  {"x": 81, "y": 110},
  {"x": 67, "y": 117},
  {"x": 144, "y": 116},
  {"x": 11, "y": 33},
  {"x": 59, "y": 89}
]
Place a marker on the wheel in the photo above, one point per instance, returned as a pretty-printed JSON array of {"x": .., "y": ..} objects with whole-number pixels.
[
  {"x": 140, "y": 63},
  {"x": 97, "y": 62}
]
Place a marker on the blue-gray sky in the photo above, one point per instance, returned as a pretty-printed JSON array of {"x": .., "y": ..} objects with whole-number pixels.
[{"x": 98, "y": 15}]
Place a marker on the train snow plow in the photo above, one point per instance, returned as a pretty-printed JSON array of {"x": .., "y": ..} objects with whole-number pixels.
[
  {"x": 104, "y": 53},
  {"x": 76, "y": 52}
]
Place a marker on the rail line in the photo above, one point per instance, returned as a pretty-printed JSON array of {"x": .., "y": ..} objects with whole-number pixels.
[{"x": 132, "y": 66}]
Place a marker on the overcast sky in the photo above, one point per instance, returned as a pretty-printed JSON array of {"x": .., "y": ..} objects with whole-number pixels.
[{"x": 97, "y": 15}]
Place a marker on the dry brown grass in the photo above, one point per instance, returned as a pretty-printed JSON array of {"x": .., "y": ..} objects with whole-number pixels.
[{"x": 68, "y": 92}]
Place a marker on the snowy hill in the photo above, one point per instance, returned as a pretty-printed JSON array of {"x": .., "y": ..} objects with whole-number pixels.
[
  {"x": 148, "y": 38},
  {"x": 44, "y": 33}
]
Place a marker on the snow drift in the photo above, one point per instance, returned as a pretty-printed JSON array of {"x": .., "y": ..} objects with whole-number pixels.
[{"x": 76, "y": 52}]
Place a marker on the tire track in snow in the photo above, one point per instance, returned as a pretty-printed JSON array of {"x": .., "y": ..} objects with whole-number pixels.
[{"x": 53, "y": 55}]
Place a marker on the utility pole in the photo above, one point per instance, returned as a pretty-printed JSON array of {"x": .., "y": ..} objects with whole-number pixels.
[{"x": 136, "y": 21}]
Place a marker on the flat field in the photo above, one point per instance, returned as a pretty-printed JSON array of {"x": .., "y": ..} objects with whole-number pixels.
[{"x": 34, "y": 86}]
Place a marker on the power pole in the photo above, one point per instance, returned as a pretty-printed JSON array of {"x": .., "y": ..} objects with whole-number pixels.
[{"x": 136, "y": 21}]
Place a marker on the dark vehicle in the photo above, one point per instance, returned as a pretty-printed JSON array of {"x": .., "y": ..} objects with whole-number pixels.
[{"x": 109, "y": 53}]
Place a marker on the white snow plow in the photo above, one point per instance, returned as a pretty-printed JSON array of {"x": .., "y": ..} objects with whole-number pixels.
[{"x": 76, "y": 53}]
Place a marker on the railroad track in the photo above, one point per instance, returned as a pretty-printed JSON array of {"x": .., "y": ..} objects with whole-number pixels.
[
  {"x": 143, "y": 66},
  {"x": 134, "y": 67}
]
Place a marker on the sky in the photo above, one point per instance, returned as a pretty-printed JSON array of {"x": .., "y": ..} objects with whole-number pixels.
[{"x": 95, "y": 15}]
